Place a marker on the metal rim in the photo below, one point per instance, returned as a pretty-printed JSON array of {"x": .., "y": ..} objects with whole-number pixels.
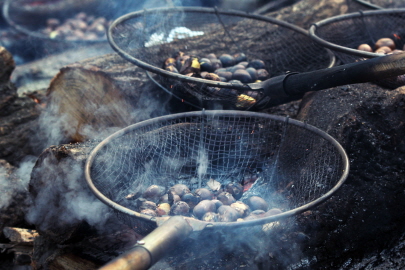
[
  {"x": 335, "y": 47},
  {"x": 6, "y": 15},
  {"x": 185, "y": 78},
  {"x": 260, "y": 221}
]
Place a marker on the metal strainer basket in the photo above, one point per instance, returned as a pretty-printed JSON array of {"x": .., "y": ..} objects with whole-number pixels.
[
  {"x": 298, "y": 166},
  {"x": 343, "y": 34},
  {"x": 147, "y": 38}
]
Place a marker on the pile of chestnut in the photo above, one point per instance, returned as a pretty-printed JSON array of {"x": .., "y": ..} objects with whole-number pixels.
[
  {"x": 234, "y": 69},
  {"x": 203, "y": 203},
  {"x": 80, "y": 27},
  {"x": 383, "y": 46}
]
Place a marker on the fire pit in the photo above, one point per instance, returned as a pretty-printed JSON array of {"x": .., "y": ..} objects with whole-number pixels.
[{"x": 297, "y": 166}]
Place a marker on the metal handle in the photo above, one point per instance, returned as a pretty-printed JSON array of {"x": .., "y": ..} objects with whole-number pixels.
[
  {"x": 363, "y": 71},
  {"x": 153, "y": 246}
]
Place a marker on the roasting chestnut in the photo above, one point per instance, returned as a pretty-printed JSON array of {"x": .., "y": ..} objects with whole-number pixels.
[
  {"x": 365, "y": 47},
  {"x": 255, "y": 215},
  {"x": 179, "y": 189},
  {"x": 242, "y": 208},
  {"x": 235, "y": 189},
  {"x": 217, "y": 203},
  {"x": 211, "y": 56},
  {"x": 191, "y": 200},
  {"x": 228, "y": 214},
  {"x": 239, "y": 57},
  {"x": 225, "y": 74},
  {"x": 180, "y": 208},
  {"x": 272, "y": 212},
  {"x": 210, "y": 217},
  {"x": 204, "y": 193},
  {"x": 257, "y": 203},
  {"x": 154, "y": 192},
  {"x": 253, "y": 73},
  {"x": 165, "y": 198},
  {"x": 227, "y": 60},
  {"x": 385, "y": 42},
  {"x": 149, "y": 212},
  {"x": 235, "y": 68},
  {"x": 203, "y": 207},
  {"x": 384, "y": 50},
  {"x": 163, "y": 209},
  {"x": 147, "y": 205},
  {"x": 226, "y": 198},
  {"x": 257, "y": 64},
  {"x": 206, "y": 65},
  {"x": 216, "y": 64},
  {"x": 212, "y": 76},
  {"x": 262, "y": 74}
]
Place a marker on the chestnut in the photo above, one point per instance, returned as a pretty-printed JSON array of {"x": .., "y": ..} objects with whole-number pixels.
[
  {"x": 227, "y": 214},
  {"x": 225, "y": 74},
  {"x": 257, "y": 64},
  {"x": 165, "y": 198},
  {"x": 149, "y": 212},
  {"x": 227, "y": 60},
  {"x": 235, "y": 68},
  {"x": 210, "y": 217},
  {"x": 147, "y": 205},
  {"x": 239, "y": 57},
  {"x": 163, "y": 209},
  {"x": 262, "y": 74},
  {"x": 203, "y": 207},
  {"x": 255, "y": 215},
  {"x": 272, "y": 212},
  {"x": 365, "y": 47},
  {"x": 385, "y": 42},
  {"x": 205, "y": 65},
  {"x": 226, "y": 198},
  {"x": 216, "y": 64},
  {"x": 180, "y": 208},
  {"x": 217, "y": 203},
  {"x": 253, "y": 73},
  {"x": 212, "y": 76},
  {"x": 179, "y": 189},
  {"x": 235, "y": 189},
  {"x": 243, "y": 209},
  {"x": 191, "y": 200},
  {"x": 257, "y": 203},
  {"x": 204, "y": 193},
  {"x": 154, "y": 192},
  {"x": 211, "y": 56},
  {"x": 383, "y": 50}
]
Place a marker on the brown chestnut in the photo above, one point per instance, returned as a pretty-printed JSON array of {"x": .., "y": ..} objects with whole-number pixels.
[
  {"x": 163, "y": 209},
  {"x": 227, "y": 60},
  {"x": 210, "y": 217},
  {"x": 191, "y": 200},
  {"x": 365, "y": 47},
  {"x": 203, "y": 207},
  {"x": 165, "y": 198},
  {"x": 204, "y": 193},
  {"x": 147, "y": 205},
  {"x": 180, "y": 208},
  {"x": 383, "y": 50},
  {"x": 257, "y": 64},
  {"x": 226, "y": 198},
  {"x": 154, "y": 192},
  {"x": 385, "y": 42},
  {"x": 149, "y": 212},
  {"x": 257, "y": 203},
  {"x": 235, "y": 189},
  {"x": 179, "y": 189},
  {"x": 243, "y": 209},
  {"x": 227, "y": 214}
]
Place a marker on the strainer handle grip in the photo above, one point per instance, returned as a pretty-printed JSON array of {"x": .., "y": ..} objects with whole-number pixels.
[
  {"x": 363, "y": 71},
  {"x": 153, "y": 246}
]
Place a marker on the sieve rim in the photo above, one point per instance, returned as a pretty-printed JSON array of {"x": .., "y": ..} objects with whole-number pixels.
[
  {"x": 189, "y": 79},
  {"x": 344, "y": 49},
  {"x": 204, "y": 224}
]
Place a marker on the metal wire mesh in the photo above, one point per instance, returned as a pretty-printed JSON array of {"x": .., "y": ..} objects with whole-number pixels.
[
  {"x": 343, "y": 34},
  {"x": 296, "y": 163},
  {"x": 148, "y": 37}
]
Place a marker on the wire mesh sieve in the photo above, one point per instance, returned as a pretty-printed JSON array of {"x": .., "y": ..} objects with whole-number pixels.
[
  {"x": 298, "y": 165},
  {"x": 343, "y": 34},
  {"x": 147, "y": 38}
]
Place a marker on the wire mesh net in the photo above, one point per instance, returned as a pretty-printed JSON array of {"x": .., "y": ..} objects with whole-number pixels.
[
  {"x": 344, "y": 34},
  {"x": 149, "y": 37},
  {"x": 295, "y": 163}
]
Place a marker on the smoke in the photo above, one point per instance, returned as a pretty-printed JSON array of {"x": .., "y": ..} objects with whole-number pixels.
[{"x": 60, "y": 197}]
